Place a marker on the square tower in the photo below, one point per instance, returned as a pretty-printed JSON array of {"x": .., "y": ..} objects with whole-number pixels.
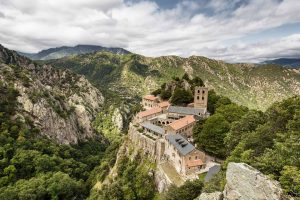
[{"x": 200, "y": 97}]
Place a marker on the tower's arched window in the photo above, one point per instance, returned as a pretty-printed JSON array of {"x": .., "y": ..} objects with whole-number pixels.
[
  {"x": 198, "y": 91},
  {"x": 203, "y": 92},
  {"x": 198, "y": 97}
]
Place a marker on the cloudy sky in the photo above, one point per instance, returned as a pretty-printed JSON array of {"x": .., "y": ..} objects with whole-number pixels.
[{"x": 231, "y": 30}]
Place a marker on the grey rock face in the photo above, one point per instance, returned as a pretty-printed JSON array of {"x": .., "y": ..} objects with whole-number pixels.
[
  {"x": 60, "y": 103},
  {"x": 211, "y": 196},
  {"x": 246, "y": 183}
]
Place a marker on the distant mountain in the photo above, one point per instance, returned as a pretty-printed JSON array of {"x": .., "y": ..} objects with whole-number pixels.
[
  {"x": 286, "y": 62},
  {"x": 60, "y": 52}
]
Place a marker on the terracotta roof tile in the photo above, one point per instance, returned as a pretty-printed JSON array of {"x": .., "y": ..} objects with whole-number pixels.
[
  {"x": 164, "y": 104},
  {"x": 193, "y": 163},
  {"x": 178, "y": 124},
  {"x": 150, "y": 97},
  {"x": 149, "y": 112}
]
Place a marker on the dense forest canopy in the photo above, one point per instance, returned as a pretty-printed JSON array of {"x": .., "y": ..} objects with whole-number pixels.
[{"x": 34, "y": 167}]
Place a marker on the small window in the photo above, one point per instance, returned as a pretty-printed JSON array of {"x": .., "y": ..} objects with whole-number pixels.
[
  {"x": 196, "y": 157},
  {"x": 203, "y": 92},
  {"x": 198, "y": 91},
  {"x": 202, "y": 98},
  {"x": 198, "y": 98},
  {"x": 190, "y": 158}
]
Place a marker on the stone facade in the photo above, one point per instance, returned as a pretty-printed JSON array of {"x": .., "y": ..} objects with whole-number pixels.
[
  {"x": 200, "y": 97},
  {"x": 149, "y": 101}
]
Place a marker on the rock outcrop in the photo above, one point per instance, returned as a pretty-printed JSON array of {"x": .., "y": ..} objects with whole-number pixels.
[
  {"x": 211, "y": 196},
  {"x": 58, "y": 102},
  {"x": 244, "y": 182}
]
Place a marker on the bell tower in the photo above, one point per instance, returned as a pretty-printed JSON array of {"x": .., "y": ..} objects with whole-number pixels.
[{"x": 200, "y": 97}]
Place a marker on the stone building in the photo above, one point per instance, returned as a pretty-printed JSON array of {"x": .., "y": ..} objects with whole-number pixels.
[
  {"x": 148, "y": 114},
  {"x": 177, "y": 112},
  {"x": 150, "y": 101},
  {"x": 185, "y": 158},
  {"x": 201, "y": 97},
  {"x": 183, "y": 126}
]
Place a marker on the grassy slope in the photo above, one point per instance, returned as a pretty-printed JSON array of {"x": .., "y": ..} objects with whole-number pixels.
[{"x": 132, "y": 75}]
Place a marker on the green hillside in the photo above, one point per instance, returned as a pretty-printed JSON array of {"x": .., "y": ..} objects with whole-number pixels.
[{"x": 132, "y": 75}]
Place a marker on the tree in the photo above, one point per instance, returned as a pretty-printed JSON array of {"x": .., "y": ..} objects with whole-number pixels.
[
  {"x": 181, "y": 97},
  {"x": 248, "y": 123},
  {"x": 189, "y": 191},
  {"x": 186, "y": 77},
  {"x": 232, "y": 112},
  {"x": 290, "y": 180},
  {"x": 165, "y": 94},
  {"x": 211, "y": 138}
]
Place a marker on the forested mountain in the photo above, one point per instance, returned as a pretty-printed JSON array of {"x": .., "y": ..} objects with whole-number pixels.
[
  {"x": 131, "y": 75},
  {"x": 48, "y": 144},
  {"x": 59, "y": 52}
]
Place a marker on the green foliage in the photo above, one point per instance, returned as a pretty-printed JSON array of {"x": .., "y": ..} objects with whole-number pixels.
[
  {"x": 104, "y": 124},
  {"x": 181, "y": 97},
  {"x": 232, "y": 112},
  {"x": 290, "y": 180},
  {"x": 216, "y": 183},
  {"x": 270, "y": 142},
  {"x": 45, "y": 186},
  {"x": 134, "y": 180},
  {"x": 34, "y": 167},
  {"x": 241, "y": 128},
  {"x": 212, "y": 135},
  {"x": 214, "y": 101},
  {"x": 166, "y": 94},
  {"x": 189, "y": 191}
]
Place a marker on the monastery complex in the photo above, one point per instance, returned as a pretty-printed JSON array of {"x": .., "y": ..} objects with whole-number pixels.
[{"x": 165, "y": 132}]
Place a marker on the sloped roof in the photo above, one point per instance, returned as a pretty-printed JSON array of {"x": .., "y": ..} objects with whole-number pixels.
[
  {"x": 149, "y": 112},
  {"x": 153, "y": 127},
  {"x": 180, "y": 123},
  {"x": 193, "y": 163},
  {"x": 212, "y": 171},
  {"x": 186, "y": 110},
  {"x": 164, "y": 104},
  {"x": 181, "y": 144},
  {"x": 150, "y": 97}
]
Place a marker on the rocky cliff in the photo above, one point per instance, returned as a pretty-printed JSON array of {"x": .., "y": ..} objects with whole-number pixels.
[
  {"x": 244, "y": 182},
  {"x": 60, "y": 103}
]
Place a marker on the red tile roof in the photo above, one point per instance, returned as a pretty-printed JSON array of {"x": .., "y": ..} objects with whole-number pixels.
[
  {"x": 194, "y": 163},
  {"x": 164, "y": 104},
  {"x": 149, "y": 112},
  {"x": 150, "y": 97},
  {"x": 178, "y": 124}
]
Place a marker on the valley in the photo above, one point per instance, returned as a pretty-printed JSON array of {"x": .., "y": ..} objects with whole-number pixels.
[
  {"x": 132, "y": 76},
  {"x": 73, "y": 126}
]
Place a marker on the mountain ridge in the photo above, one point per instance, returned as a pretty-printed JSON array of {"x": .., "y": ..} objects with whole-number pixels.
[
  {"x": 285, "y": 62},
  {"x": 63, "y": 51},
  {"x": 131, "y": 76}
]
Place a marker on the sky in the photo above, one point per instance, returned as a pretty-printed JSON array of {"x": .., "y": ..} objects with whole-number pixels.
[{"x": 229, "y": 30}]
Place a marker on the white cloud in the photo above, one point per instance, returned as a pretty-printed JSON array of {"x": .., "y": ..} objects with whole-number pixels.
[{"x": 143, "y": 27}]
